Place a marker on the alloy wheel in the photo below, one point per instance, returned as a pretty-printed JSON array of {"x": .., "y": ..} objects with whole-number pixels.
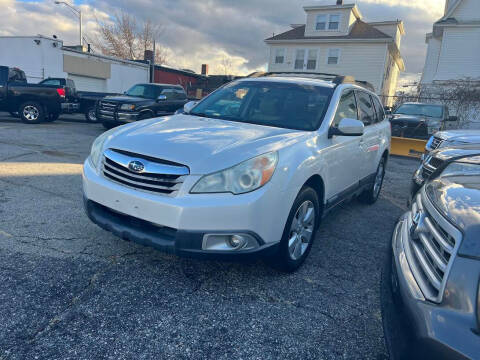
[
  {"x": 30, "y": 112},
  {"x": 301, "y": 230}
]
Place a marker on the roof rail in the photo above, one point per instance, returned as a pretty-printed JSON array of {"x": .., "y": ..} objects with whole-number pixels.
[
  {"x": 334, "y": 78},
  {"x": 339, "y": 80}
]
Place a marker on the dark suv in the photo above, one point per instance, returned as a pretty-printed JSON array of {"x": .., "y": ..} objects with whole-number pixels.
[
  {"x": 431, "y": 279},
  {"x": 140, "y": 102}
]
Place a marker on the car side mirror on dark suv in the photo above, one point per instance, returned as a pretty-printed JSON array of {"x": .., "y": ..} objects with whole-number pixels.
[
  {"x": 388, "y": 110},
  {"x": 347, "y": 127},
  {"x": 162, "y": 97}
]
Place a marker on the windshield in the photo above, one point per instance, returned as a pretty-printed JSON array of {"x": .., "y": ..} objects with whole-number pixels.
[
  {"x": 284, "y": 105},
  {"x": 435, "y": 111},
  {"x": 145, "y": 91}
]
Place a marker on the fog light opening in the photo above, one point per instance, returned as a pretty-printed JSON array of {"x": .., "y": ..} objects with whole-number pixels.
[{"x": 229, "y": 242}]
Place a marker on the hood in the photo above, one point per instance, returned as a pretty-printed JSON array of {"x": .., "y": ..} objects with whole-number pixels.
[
  {"x": 456, "y": 152},
  {"x": 458, "y": 198},
  {"x": 407, "y": 118},
  {"x": 124, "y": 99},
  {"x": 460, "y": 136},
  {"x": 204, "y": 145}
]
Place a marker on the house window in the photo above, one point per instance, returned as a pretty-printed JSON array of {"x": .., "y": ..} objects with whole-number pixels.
[
  {"x": 279, "y": 56},
  {"x": 312, "y": 60},
  {"x": 334, "y": 22},
  {"x": 333, "y": 56},
  {"x": 321, "y": 22},
  {"x": 299, "y": 59}
]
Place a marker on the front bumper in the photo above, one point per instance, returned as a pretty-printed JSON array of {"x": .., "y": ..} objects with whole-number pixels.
[
  {"x": 127, "y": 212},
  {"x": 443, "y": 331},
  {"x": 172, "y": 241}
]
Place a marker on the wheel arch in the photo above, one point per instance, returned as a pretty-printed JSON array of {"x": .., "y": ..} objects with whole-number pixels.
[{"x": 316, "y": 183}]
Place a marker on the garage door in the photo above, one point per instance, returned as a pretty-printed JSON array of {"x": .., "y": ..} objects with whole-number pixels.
[{"x": 85, "y": 83}]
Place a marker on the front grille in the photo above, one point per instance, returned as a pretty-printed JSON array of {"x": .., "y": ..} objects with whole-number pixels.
[
  {"x": 436, "y": 143},
  {"x": 158, "y": 176},
  {"x": 429, "y": 166},
  {"x": 431, "y": 247},
  {"x": 107, "y": 110}
]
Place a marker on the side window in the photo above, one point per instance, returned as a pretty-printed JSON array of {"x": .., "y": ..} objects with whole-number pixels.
[
  {"x": 180, "y": 94},
  {"x": 347, "y": 108},
  {"x": 169, "y": 93},
  {"x": 367, "y": 111},
  {"x": 378, "y": 109}
]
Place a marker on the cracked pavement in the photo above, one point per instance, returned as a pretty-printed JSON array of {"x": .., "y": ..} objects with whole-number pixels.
[{"x": 69, "y": 290}]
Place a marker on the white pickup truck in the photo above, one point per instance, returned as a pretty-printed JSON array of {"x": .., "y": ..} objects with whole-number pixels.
[{"x": 249, "y": 170}]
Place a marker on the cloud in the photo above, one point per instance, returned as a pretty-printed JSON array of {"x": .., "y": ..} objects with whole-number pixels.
[{"x": 210, "y": 31}]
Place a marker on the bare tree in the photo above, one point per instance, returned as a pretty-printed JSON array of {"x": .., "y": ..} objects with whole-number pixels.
[
  {"x": 226, "y": 65},
  {"x": 461, "y": 96},
  {"x": 125, "y": 38}
]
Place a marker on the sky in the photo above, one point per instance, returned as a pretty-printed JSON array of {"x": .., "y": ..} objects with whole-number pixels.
[{"x": 208, "y": 31}]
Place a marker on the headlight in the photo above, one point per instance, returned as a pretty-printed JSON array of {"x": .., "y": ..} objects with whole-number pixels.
[
  {"x": 97, "y": 147},
  {"x": 242, "y": 178},
  {"x": 130, "y": 107},
  {"x": 461, "y": 168}
]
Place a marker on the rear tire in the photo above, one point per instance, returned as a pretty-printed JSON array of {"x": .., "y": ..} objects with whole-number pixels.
[
  {"x": 91, "y": 115},
  {"x": 370, "y": 196},
  {"x": 299, "y": 232},
  {"x": 31, "y": 112}
]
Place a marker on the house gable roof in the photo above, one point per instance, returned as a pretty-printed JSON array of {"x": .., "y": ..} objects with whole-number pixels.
[
  {"x": 451, "y": 11},
  {"x": 361, "y": 30}
]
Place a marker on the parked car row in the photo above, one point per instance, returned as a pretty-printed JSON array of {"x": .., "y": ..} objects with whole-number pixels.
[
  {"x": 45, "y": 101},
  {"x": 431, "y": 279}
]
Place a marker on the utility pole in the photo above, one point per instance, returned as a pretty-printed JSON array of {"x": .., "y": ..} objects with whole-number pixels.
[{"x": 78, "y": 13}]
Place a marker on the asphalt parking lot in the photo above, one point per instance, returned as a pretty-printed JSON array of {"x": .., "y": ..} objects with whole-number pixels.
[{"x": 69, "y": 290}]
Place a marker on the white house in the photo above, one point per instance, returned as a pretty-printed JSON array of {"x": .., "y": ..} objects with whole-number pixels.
[
  {"x": 454, "y": 44},
  {"x": 42, "y": 57},
  {"x": 335, "y": 40}
]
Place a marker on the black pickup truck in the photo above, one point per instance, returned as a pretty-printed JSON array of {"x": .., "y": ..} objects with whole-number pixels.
[
  {"x": 141, "y": 101},
  {"x": 77, "y": 101},
  {"x": 34, "y": 103}
]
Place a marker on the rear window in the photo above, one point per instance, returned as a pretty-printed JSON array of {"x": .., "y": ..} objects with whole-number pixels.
[
  {"x": 54, "y": 82},
  {"x": 278, "y": 104}
]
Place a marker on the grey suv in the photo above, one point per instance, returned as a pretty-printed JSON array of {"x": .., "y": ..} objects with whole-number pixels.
[{"x": 430, "y": 282}]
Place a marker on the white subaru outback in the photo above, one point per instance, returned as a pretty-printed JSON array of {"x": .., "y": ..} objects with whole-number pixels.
[{"x": 249, "y": 170}]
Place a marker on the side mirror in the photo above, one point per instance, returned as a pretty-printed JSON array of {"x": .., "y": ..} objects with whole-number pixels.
[
  {"x": 189, "y": 106},
  {"x": 162, "y": 97},
  {"x": 452, "y": 118},
  {"x": 388, "y": 110},
  {"x": 347, "y": 127}
]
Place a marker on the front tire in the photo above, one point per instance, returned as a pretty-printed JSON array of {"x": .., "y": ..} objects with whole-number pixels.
[
  {"x": 370, "y": 196},
  {"x": 299, "y": 232},
  {"x": 91, "y": 115},
  {"x": 109, "y": 124},
  {"x": 31, "y": 112}
]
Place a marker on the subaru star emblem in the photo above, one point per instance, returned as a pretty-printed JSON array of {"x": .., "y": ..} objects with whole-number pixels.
[{"x": 136, "y": 166}]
